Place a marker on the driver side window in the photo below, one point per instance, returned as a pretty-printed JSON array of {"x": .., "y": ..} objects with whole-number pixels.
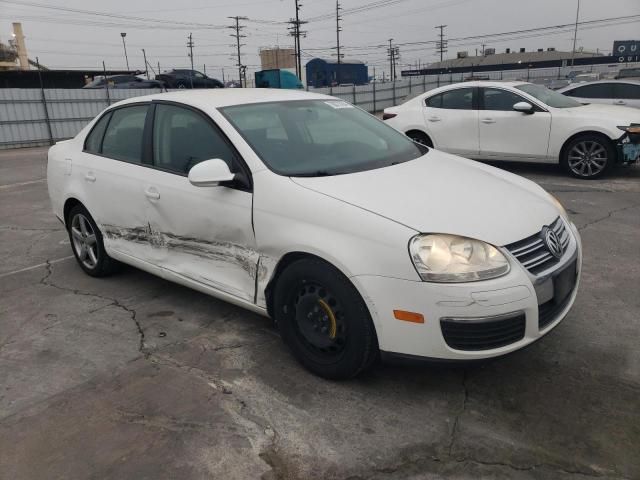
[
  {"x": 501, "y": 100},
  {"x": 183, "y": 138}
]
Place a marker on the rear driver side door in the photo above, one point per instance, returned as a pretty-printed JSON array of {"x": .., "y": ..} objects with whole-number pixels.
[{"x": 451, "y": 120}]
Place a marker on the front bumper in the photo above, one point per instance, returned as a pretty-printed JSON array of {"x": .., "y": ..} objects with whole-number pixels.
[{"x": 517, "y": 294}]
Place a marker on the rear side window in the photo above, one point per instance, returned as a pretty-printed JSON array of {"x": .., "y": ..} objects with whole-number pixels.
[
  {"x": 93, "y": 143},
  {"x": 626, "y": 91},
  {"x": 598, "y": 90},
  {"x": 459, "y": 99},
  {"x": 123, "y": 138},
  {"x": 183, "y": 138}
]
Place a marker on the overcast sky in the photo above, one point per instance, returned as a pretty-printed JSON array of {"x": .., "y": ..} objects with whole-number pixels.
[{"x": 83, "y": 40}]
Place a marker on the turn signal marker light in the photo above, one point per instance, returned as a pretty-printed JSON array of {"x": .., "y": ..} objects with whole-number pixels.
[{"x": 412, "y": 317}]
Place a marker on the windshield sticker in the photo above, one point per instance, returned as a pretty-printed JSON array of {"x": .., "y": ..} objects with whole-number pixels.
[{"x": 338, "y": 104}]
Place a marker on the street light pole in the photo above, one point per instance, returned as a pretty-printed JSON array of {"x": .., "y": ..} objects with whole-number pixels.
[{"x": 124, "y": 45}]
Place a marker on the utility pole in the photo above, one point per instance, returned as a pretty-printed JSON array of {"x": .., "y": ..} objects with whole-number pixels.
[
  {"x": 190, "y": 46},
  {"x": 391, "y": 61},
  {"x": 441, "y": 45},
  {"x": 297, "y": 33},
  {"x": 146, "y": 68},
  {"x": 237, "y": 27},
  {"x": 394, "y": 55},
  {"x": 575, "y": 34},
  {"x": 338, "y": 29},
  {"x": 124, "y": 34}
]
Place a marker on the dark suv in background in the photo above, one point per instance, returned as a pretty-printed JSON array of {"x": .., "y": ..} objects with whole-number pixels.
[{"x": 179, "y": 78}]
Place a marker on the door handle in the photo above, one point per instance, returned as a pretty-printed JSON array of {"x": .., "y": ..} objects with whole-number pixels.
[
  {"x": 90, "y": 177},
  {"x": 434, "y": 119},
  {"x": 620, "y": 102},
  {"x": 488, "y": 120},
  {"x": 152, "y": 193}
]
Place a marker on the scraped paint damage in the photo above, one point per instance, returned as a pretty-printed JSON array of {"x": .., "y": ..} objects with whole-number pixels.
[{"x": 219, "y": 251}]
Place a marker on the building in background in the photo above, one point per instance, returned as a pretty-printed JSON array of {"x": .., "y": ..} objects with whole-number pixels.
[
  {"x": 277, "y": 58},
  {"x": 13, "y": 56},
  {"x": 330, "y": 73}
]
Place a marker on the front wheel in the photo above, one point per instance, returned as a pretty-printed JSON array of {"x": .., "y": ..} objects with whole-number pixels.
[
  {"x": 324, "y": 320},
  {"x": 588, "y": 157}
]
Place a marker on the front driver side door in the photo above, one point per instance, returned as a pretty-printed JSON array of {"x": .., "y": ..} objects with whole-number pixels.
[
  {"x": 509, "y": 135},
  {"x": 451, "y": 120},
  {"x": 202, "y": 234}
]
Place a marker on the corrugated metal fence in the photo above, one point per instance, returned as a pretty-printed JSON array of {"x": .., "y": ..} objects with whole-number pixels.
[{"x": 35, "y": 117}]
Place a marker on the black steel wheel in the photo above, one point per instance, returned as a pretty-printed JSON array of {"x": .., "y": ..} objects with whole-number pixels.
[{"x": 324, "y": 320}]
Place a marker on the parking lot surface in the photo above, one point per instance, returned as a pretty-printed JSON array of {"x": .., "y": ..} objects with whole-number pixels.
[{"x": 134, "y": 377}]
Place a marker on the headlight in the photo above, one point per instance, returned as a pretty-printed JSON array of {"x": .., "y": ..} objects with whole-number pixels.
[{"x": 450, "y": 259}]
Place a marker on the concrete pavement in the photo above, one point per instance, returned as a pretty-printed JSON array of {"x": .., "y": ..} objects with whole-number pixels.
[{"x": 134, "y": 377}]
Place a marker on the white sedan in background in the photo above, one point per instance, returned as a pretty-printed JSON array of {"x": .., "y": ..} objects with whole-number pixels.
[
  {"x": 518, "y": 121},
  {"x": 608, "y": 92},
  {"x": 353, "y": 238}
]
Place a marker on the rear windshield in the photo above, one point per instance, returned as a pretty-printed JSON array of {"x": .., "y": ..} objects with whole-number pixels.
[{"x": 319, "y": 137}]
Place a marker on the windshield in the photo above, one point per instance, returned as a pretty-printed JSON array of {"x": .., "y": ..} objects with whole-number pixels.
[
  {"x": 319, "y": 137},
  {"x": 549, "y": 97}
]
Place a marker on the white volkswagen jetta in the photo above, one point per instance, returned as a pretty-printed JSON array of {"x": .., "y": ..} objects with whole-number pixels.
[
  {"x": 518, "y": 121},
  {"x": 299, "y": 206}
]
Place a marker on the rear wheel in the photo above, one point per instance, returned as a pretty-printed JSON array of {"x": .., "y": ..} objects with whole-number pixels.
[
  {"x": 87, "y": 244},
  {"x": 421, "y": 138},
  {"x": 324, "y": 320},
  {"x": 588, "y": 156}
]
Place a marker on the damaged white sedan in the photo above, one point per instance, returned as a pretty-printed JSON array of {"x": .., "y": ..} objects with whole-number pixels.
[{"x": 299, "y": 206}]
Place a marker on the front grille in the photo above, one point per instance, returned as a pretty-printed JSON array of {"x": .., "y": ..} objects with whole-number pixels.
[
  {"x": 532, "y": 252},
  {"x": 484, "y": 334}
]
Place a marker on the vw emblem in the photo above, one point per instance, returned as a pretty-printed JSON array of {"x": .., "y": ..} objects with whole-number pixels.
[{"x": 553, "y": 243}]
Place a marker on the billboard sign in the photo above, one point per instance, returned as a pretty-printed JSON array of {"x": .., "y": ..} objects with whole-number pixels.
[{"x": 626, "y": 50}]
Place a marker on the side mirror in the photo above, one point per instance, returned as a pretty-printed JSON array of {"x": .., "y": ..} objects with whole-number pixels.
[
  {"x": 523, "y": 107},
  {"x": 210, "y": 173}
]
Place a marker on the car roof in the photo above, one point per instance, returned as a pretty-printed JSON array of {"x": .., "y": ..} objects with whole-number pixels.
[
  {"x": 473, "y": 84},
  {"x": 223, "y": 97},
  {"x": 571, "y": 86}
]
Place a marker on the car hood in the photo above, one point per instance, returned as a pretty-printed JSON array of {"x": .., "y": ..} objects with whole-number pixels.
[
  {"x": 442, "y": 193},
  {"x": 619, "y": 114}
]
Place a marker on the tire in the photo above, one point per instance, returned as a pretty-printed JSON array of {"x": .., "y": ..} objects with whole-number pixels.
[
  {"x": 421, "y": 138},
  {"x": 181, "y": 85},
  {"x": 87, "y": 244},
  {"x": 324, "y": 320},
  {"x": 588, "y": 156}
]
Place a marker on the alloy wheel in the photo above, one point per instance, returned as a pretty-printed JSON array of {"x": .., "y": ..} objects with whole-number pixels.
[
  {"x": 84, "y": 241},
  {"x": 588, "y": 158}
]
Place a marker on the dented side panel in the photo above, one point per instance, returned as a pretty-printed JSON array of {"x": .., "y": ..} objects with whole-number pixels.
[{"x": 201, "y": 233}]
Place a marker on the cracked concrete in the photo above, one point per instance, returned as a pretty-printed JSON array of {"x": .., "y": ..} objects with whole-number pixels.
[{"x": 133, "y": 377}]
